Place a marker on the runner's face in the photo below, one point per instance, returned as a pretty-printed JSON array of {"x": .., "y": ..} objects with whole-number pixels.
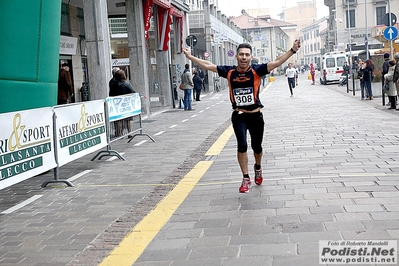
[{"x": 243, "y": 58}]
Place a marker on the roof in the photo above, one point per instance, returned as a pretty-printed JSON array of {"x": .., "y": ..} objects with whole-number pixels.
[
  {"x": 247, "y": 22},
  {"x": 280, "y": 23}
]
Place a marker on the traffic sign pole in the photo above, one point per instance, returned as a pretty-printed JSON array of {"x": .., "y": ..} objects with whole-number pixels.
[{"x": 390, "y": 20}]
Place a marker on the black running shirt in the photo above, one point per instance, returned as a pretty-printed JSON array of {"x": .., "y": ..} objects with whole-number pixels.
[{"x": 244, "y": 87}]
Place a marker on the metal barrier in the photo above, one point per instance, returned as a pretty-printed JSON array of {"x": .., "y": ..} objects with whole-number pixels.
[
  {"x": 35, "y": 141},
  {"x": 124, "y": 120}
]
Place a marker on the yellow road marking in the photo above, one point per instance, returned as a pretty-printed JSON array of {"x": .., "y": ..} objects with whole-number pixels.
[
  {"x": 135, "y": 242},
  {"x": 218, "y": 146}
]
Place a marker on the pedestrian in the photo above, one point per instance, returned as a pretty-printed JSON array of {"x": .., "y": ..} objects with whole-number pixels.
[
  {"x": 360, "y": 77},
  {"x": 202, "y": 76},
  {"x": 396, "y": 72},
  {"x": 368, "y": 68},
  {"x": 391, "y": 92},
  {"x": 187, "y": 80},
  {"x": 244, "y": 87},
  {"x": 174, "y": 86},
  {"x": 385, "y": 68},
  {"x": 345, "y": 67},
  {"x": 312, "y": 72},
  {"x": 65, "y": 87},
  {"x": 290, "y": 74},
  {"x": 197, "y": 85},
  {"x": 296, "y": 74},
  {"x": 113, "y": 84},
  {"x": 124, "y": 87}
]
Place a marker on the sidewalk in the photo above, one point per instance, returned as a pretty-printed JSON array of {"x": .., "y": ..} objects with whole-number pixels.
[{"x": 330, "y": 173}]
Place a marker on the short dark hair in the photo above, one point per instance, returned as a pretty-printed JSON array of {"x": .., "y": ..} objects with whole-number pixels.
[
  {"x": 120, "y": 75},
  {"x": 186, "y": 66},
  {"x": 244, "y": 45}
]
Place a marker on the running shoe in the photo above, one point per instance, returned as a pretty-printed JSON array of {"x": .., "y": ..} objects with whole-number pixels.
[
  {"x": 245, "y": 185},
  {"x": 258, "y": 176}
]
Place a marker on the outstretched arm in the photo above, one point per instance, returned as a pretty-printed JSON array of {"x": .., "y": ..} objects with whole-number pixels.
[
  {"x": 284, "y": 57},
  {"x": 200, "y": 62}
]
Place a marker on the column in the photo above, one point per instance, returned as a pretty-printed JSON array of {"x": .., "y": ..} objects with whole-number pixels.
[
  {"x": 208, "y": 42},
  {"x": 98, "y": 47},
  {"x": 163, "y": 76},
  {"x": 138, "y": 52}
]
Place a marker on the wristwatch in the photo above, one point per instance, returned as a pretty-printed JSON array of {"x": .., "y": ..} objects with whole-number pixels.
[{"x": 292, "y": 51}]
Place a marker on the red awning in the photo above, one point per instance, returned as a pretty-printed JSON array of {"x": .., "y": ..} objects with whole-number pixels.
[
  {"x": 164, "y": 23},
  {"x": 177, "y": 13},
  {"x": 163, "y": 3}
]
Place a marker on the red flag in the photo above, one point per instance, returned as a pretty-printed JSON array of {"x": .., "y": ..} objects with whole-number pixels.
[{"x": 147, "y": 17}]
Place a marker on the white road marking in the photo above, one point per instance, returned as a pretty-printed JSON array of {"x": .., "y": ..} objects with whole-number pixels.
[
  {"x": 159, "y": 133},
  {"x": 22, "y": 204},
  {"x": 141, "y": 142},
  {"x": 73, "y": 178}
]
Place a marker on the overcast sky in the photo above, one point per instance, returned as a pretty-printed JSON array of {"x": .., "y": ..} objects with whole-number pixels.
[{"x": 234, "y": 7}]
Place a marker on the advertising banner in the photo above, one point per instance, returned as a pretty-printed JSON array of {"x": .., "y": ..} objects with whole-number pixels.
[
  {"x": 80, "y": 130},
  {"x": 26, "y": 145},
  {"x": 123, "y": 106}
]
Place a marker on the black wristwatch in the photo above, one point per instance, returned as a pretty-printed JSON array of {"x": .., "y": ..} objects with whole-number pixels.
[{"x": 292, "y": 51}]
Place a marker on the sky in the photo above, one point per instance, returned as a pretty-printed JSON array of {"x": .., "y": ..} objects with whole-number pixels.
[{"x": 234, "y": 7}]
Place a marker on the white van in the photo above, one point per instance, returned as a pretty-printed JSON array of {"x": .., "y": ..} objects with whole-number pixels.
[{"x": 332, "y": 66}]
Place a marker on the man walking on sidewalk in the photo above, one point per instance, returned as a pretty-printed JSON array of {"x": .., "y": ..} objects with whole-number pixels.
[{"x": 244, "y": 86}]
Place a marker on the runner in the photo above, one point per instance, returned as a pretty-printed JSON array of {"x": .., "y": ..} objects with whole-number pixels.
[
  {"x": 244, "y": 86},
  {"x": 290, "y": 74}
]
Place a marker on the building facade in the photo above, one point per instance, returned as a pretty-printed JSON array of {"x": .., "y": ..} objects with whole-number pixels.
[
  {"x": 267, "y": 38},
  {"x": 313, "y": 42},
  {"x": 145, "y": 38}
]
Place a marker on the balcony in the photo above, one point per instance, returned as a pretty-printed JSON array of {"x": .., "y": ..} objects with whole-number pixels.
[
  {"x": 377, "y": 32},
  {"x": 351, "y": 3}
]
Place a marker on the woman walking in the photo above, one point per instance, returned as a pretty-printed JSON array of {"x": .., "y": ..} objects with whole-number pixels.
[
  {"x": 368, "y": 68},
  {"x": 391, "y": 92}
]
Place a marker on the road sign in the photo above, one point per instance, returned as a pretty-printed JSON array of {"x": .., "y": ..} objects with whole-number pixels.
[
  {"x": 191, "y": 40},
  {"x": 390, "y": 33},
  {"x": 230, "y": 53},
  {"x": 385, "y": 19},
  {"x": 207, "y": 54}
]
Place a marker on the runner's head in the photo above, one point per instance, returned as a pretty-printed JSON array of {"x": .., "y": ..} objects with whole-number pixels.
[{"x": 244, "y": 56}]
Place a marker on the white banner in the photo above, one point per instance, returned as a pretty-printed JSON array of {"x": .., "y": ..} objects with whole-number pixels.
[
  {"x": 80, "y": 130},
  {"x": 120, "y": 62},
  {"x": 26, "y": 145},
  {"x": 123, "y": 106},
  {"x": 68, "y": 45}
]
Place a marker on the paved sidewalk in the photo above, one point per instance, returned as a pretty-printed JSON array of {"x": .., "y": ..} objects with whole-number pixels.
[{"x": 331, "y": 172}]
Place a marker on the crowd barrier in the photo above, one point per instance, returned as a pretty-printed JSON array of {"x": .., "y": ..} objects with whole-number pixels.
[{"x": 37, "y": 140}]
